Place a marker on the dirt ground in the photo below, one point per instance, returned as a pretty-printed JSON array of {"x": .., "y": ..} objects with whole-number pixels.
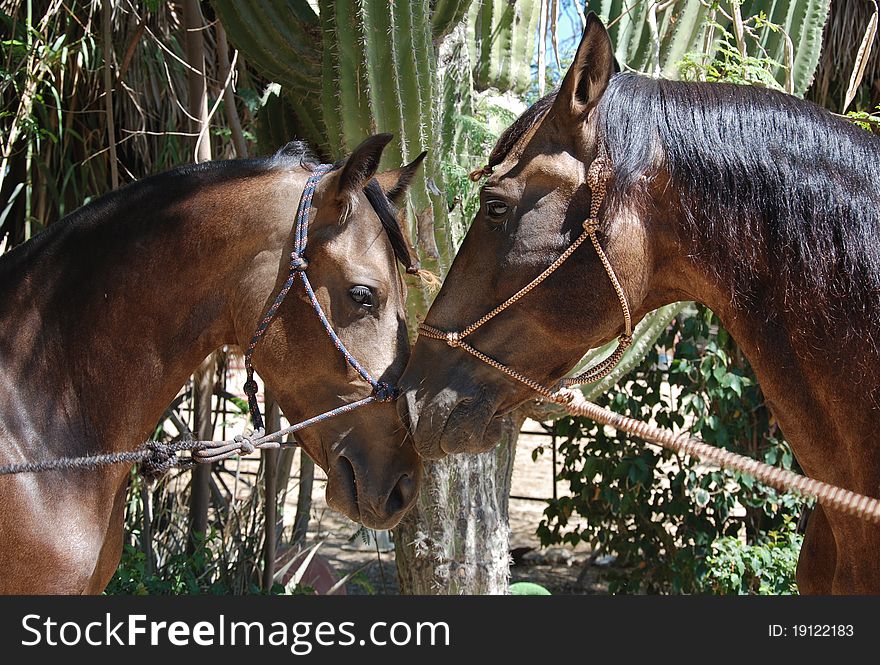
[{"x": 555, "y": 568}]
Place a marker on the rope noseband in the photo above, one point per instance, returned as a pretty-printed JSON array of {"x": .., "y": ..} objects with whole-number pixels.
[
  {"x": 598, "y": 174},
  {"x": 382, "y": 392}
]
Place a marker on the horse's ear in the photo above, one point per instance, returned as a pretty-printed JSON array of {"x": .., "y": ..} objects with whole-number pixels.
[
  {"x": 590, "y": 71},
  {"x": 395, "y": 182},
  {"x": 361, "y": 164}
]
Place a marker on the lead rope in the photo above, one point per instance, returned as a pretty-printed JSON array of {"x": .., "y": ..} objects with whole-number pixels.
[{"x": 837, "y": 498}]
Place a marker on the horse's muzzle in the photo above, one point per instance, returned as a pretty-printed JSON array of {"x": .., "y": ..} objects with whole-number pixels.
[
  {"x": 449, "y": 421},
  {"x": 376, "y": 496}
]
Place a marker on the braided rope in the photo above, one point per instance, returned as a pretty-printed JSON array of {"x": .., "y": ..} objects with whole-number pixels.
[
  {"x": 436, "y": 333},
  {"x": 298, "y": 264},
  {"x": 830, "y": 496},
  {"x": 382, "y": 391},
  {"x": 601, "y": 369},
  {"x": 456, "y": 342},
  {"x": 598, "y": 174},
  {"x": 156, "y": 457},
  {"x": 350, "y": 359}
]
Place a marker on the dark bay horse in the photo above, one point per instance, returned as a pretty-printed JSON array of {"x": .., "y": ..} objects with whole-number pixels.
[
  {"x": 762, "y": 206},
  {"x": 104, "y": 316}
]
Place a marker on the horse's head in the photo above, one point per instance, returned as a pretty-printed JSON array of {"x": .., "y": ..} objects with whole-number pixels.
[
  {"x": 353, "y": 240},
  {"x": 532, "y": 207}
]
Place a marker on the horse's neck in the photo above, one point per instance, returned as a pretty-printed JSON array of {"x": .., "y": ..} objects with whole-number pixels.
[
  {"x": 823, "y": 395},
  {"x": 113, "y": 315}
]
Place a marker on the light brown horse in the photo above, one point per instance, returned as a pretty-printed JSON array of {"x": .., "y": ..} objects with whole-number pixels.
[
  {"x": 764, "y": 207},
  {"x": 104, "y": 316}
]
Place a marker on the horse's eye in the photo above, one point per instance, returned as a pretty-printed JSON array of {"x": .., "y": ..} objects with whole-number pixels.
[
  {"x": 495, "y": 208},
  {"x": 361, "y": 295}
]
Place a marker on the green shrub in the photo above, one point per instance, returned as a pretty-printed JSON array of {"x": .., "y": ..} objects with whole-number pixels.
[
  {"x": 182, "y": 573},
  {"x": 764, "y": 568},
  {"x": 661, "y": 514}
]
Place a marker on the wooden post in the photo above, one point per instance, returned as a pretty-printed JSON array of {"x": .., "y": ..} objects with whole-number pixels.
[
  {"x": 303, "y": 500},
  {"x": 270, "y": 477},
  {"x": 200, "y": 494}
]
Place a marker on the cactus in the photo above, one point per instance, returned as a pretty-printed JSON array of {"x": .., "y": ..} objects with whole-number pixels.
[
  {"x": 501, "y": 42},
  {"x": 682, "y": 35},
  {"x": 273, "y": 127},
  {"x": 644, "y": 336},
  {"x": 804, "y": 22},
  {"x": 446, "y": 15},
  {"x": 350, "y": 69},
  {"x": 354, "y": 67},
  {"x": 279, "y": 37},
  {"x": 655, "y": 37}
]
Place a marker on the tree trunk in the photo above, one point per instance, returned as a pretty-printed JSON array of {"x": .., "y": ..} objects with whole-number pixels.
[
  {"x": 303, "y": 500},
  {"x": 456, "y": 539},
  {"x": 203, "y": 379},
  {"x": 270, "y": 508},
  {"x": 200, "y": 495}
]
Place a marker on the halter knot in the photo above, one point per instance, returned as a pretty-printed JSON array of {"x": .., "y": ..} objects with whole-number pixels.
[
  {"x": 591, "y": 224},
  {"x": 162, "y": 458},
  {"x": 250, "y": 387},
  {"x": 384, "y": 392},
  {"x": 298, "y": 262},
  {"x": 246, "y": 442},
  {"x": 453, "y": 339}
]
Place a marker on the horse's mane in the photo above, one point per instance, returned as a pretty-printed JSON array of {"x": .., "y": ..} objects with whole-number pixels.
[
  {"x": 152, "y": 193},
  {"x": 160, "y": 190},
  {"x": 778, "y": 197},
  {"x": 387, "y": 214}
]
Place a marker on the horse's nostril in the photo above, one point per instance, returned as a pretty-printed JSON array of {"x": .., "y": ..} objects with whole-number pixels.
[
  {"x": 402, "y": 495},
  {"x": 346, "y": 472},
  {"x": 403, "y": 411}
]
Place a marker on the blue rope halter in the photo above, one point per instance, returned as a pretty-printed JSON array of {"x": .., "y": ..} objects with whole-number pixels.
[{"x": 382, "y": 392}]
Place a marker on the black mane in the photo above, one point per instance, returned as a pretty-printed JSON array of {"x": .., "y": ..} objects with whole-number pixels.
[
  {"x": 770, "y": 185},
  {"x": 778, "y": 196},
  {"x": 388, "y": 216},
  {"x": 155, "y": 192}
]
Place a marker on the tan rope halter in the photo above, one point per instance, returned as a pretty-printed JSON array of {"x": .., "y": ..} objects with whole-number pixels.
[{"x": 598, "y": 174}]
